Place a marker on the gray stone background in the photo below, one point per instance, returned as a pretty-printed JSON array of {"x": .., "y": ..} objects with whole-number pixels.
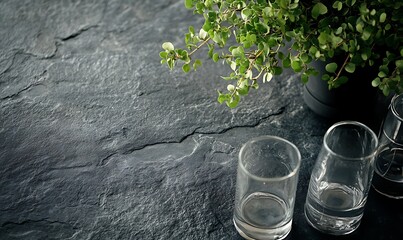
[{"x": 98, "y": 140}]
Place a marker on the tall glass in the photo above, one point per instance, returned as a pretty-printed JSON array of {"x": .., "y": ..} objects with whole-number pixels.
[
  {"x": 267, "y": 180},
  {"x": 341, "y": 178},
  {"x": 388, "y": 177}
]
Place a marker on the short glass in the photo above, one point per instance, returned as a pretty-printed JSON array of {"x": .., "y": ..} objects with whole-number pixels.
[
  {"x": 341, "y": 178},
  {"x": 267, "y": 180},
  {"x": 388, "y": 177}
]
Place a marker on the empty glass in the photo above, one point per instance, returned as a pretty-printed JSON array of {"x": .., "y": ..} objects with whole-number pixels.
[
  {"x": 388, "y": 177},
  {"x": 266, "y": 185},
  {"x": 341, "y": 178}
]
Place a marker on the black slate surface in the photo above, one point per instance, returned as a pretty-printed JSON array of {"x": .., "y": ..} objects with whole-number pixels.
[{"x": 99, "y": 141}]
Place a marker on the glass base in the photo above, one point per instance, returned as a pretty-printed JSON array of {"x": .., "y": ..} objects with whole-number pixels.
[
  {"x": 331, "y": 224},
  {"x": 388, "y": 188},
  {"x": 253, "y": 233},
  {"x": 388, "y": 174}
]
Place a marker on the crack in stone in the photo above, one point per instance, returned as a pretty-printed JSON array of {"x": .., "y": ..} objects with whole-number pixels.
[
  {"x": 71, "y": 167},
  {"x": 38, "y": 82},
  {"x": 195, "y": 131},
  {"x": 104, "y": 161},
  {"x": 23, "y": 52},
  {"x": 16, "y": 51},
  {"x": 29, "y": 221},
  {"x": 79, "y": 32},
  {"x": 145, "y": 93},
  {"x": 27, "y": 88}
]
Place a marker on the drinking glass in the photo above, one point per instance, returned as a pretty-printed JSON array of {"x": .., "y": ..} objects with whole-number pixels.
[
  {"x": 388, "y": 177},
  {"x": 266, "y": 184},
  {"x": 341, "y": 178}
]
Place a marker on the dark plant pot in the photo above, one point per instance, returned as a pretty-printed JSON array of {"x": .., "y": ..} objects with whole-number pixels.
[{"x": 355, "y": 100}]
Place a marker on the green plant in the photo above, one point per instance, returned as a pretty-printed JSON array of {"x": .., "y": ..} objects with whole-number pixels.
[{"x": 362, "y": 33}]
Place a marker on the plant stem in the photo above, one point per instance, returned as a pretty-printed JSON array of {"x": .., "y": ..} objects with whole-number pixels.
[
  {"x": 199, "y": 46},
  {"x": 253, "y": 60},
  {"x": 341, "y": 69}
]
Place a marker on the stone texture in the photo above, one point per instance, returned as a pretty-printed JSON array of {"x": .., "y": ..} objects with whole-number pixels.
[{"x": 100, "y": 141}]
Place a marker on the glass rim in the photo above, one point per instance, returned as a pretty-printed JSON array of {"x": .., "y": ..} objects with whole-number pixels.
[
  {"x": 355, "y": 123},
  {"x": 393, "y": 107},
  {"x": 270, "y": 179}
]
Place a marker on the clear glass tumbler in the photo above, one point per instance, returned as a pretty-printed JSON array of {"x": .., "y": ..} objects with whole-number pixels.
[
  {"x": 266, "y": 185},
  {"x": 341, "y": 178},
  {"x": 388, "y": 177}
]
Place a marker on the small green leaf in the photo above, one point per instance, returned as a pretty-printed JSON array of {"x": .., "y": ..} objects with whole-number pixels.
[
  {"x": 386, "y": 90},
  {"x": 207, "y": 25},
  {"x": 277, "y": 70},
  {"x": 230, "y": 88},
  {"x": 381, "y": 74},
  {"x": 399, "y": 64},
  {"x": 337, "y": 5},
  {"x": 364, "y": 56},
  {"x": 189, "y": 4},
  {"x": 323, "y": 37},
  {"x": 168, "y": 46},
  {"x": 366, "y": 34},
  {"x": 376, "y": 82},
  {"x": 318, "y": 9},
  {"x": 191, "y": 30},
  {"x": 237, "y": 52},
  {"x": 287, "y": 62},
  {"x": 296, "y": 66},
  {"x": 331, "y": 67},
  {"x": 171, "y": 63},
  {"x": 186, "y": 67},
  {"x": 337, "y": 82},
  {"x": 233, "y": 101},
  {"x": 373, "y": 12},
  {"x": 350, "y": 67},
  {"x": 384, "y": 68},
  {"x": 339, "y": 30},
  {"x": 243, "y": 89},
  {"x": 163, "y": 54},
  {"x": 216, "y": 57},
  {"x": 304, "y": 78},
  {"x": 293, "y": 5},
  {"x": 208, "y": 3},
  {"x": 382, "y": 17},
  {"x": 197, "y": 63},
  {"x": 262, "y": 27},
  {"x": 233, "y": 65},
  {"x": 312, "y": 71},
  {"x": 350, "y": 2},
  {"x": 267, "y": 77},
  {"x": 359, "y": 27},
  {"x": 271, "y": 42},
  {"x": 245, "y": 13},
  {"x": 317, "y": 54},
  {"x": 212, "y": 16},
  {"x": 325, "y": 77},
  {"x": 202, "y": 34},
  {"x": 305, "y": 58},
  {"x": 223, "y": 97}
]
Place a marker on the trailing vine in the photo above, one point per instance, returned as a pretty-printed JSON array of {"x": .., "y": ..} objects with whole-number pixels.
[{"x": 364, "y": 33}]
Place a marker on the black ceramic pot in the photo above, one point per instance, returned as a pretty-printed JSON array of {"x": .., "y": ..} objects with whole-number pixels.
[{"x": 355, "y": 100}]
